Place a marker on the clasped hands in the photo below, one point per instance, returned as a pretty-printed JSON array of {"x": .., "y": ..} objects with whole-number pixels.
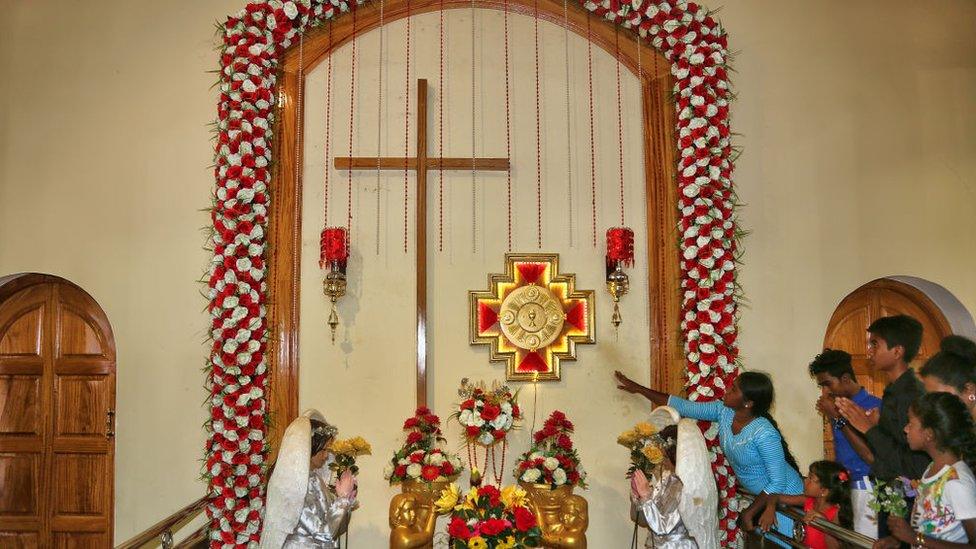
[
  {"x": 346, "y": 485},
  {"x": 858, "y": 418}
]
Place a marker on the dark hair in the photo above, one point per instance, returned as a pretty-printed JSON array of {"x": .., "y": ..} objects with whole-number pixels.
[
  {"x": 954, "y": 364},
  {"x": 757, "y": 388},
  {"x": 832, "y": 362},
  {"x": 899, "y": 330},
  {"x": 837, "y": 481},
  {"x": 950, "y": 422},
  {"x": 322, "y": 433}
]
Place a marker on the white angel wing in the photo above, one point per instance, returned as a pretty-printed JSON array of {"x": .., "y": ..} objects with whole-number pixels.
[
  {"x": 289, "y": 482},
  {"x": 699, "y": 500},
  {"x": 663, "y": 416}
]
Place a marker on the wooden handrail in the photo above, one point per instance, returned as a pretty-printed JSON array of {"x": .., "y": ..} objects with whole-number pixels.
[
  {"x": 194, "y": 540},
  {"x": 850, "y": 537},
  {"x": 166, "y": 526}
]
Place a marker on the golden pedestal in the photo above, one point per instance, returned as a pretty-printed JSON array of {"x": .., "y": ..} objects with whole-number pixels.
[
  {"x": 563, "y": 516},
  {"x": 412, "y": 515}
]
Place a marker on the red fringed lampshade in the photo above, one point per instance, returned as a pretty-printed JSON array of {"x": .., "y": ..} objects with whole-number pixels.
[
  {"x": 334, "y": 246},
  {"x": 620, "y": 246}
]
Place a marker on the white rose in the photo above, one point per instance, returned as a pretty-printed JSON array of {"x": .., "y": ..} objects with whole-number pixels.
[
  {"x": 388, "y": 471},
  {"x": 531, "y": 475},
  {"x": 436, "y": 459},
  {"x": 551, "y": 463},
  {"x": 486, "y": 438},
  {"x": 465, "y": 417},
  {"x": 559, "y": 476},
  {"x": 413, "y": 470},
  {"x": 499, "y": 422},
  {"x": 477, "y": 421},
  {"x": 290, "y": 9},
  {"x": 506, "y": 408}
]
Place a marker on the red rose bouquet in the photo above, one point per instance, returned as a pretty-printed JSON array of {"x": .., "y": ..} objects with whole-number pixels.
[
  {"x": 552, "y": 460},
  {"x": 420, "y": 457},
  {"x": 486, "y": 415}
]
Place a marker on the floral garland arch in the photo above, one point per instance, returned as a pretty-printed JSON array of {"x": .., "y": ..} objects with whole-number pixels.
[{"x": 253, "y": 41}]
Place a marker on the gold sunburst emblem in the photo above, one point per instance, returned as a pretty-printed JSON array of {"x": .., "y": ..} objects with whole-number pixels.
[{"x": 531, "y": 316}]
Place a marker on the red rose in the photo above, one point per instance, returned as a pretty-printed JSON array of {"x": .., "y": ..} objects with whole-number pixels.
[
  {"x": 565, "y": 443},
  {"x": 467, "y": 404},
  {"x": 490, "y": 412},
  {"x": 524, "y": 519},
  {"x": 416, "y": 457},
  {"x": 422, "y": 411},
  {"x": 414, "y": 437},
  {"x": 472, "y": 431},
  {"x": 493, "y": 494},
  {"x": 447, "y": 469},
  {"x": 430, "y": 472},
  {"x": 410, "y": 423},
  {"x": 493, "y": 527},
  {"x": 498, "y": 434},
  {"x": 432, "y": 419},
  {"x": 516, "y": 411},
  {"x": 400, "y": 471},
  {"x": 458, "y": 529}
]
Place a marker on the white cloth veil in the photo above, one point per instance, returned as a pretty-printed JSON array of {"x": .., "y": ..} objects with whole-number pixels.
[
  {"x": 699, "y": 498},
  {"x": 289, "y": 481}
]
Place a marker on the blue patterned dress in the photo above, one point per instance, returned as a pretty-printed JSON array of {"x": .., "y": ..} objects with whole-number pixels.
[{"x": 755, "y": 453}]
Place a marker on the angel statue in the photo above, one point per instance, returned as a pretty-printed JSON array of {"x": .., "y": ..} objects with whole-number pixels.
[
  {"x": 302, "y": 510},
  {"x": 680, "y": 501}
]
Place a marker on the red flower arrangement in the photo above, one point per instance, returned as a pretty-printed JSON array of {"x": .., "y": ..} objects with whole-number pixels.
[
  {"x": 420, "y": 457},
  {"x": 552, "y": 460},
  {"x": 488, "y": 517}
]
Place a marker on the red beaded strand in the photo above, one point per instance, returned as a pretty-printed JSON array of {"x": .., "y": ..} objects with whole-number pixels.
[
  {"x": 589, "y": 72},
  {"x": 406, "y": 139},
  {"x": 352, "y": 121},
  {"x": 538, "y": 133},
  {"x": 620, "y": 123},
  {"x": 508, "y": 135}
]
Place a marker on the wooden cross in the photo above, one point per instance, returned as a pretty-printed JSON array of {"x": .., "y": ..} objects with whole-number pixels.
[{"x": 422, "y": 164}]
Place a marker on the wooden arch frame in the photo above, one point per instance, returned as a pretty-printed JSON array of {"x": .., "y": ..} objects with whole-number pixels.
[{"x": 660, "y": 158}]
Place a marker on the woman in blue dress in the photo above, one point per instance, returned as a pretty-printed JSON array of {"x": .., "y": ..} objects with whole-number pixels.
[{"x": 748, "y": 435}]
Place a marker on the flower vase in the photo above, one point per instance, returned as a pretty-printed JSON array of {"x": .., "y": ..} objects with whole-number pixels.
[
  {"x": 412, "y": 515},
  {"x": 563, "y": 516}
]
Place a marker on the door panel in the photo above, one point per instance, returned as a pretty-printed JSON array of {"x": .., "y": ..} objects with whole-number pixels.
[
  {"x": 57, "y": 397},
  {"x": 848, "y": 326}
]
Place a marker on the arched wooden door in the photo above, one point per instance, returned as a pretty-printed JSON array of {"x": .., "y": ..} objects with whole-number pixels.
[
  {"x": 57, "y": 402},
  {"x": 848, "y": 325}
]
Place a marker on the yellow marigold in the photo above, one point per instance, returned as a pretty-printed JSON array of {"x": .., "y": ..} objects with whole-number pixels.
[
  {"x": 507, "y": 543},
  {"x": 645, "y": 429},
  {"x": 477, "y": 542},
  {"x": 449, "y": 498},
  {"x": 513, "y": 495},
  {"x": 361, "y": 447},
  {"x": 653, "y": 454},
  {"x": 341, "y": 447},
  {"x": 627, "y": 438}
]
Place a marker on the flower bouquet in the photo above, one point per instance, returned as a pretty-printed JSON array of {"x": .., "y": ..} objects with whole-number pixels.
[
  {"x": 487, "y": 517},
  {"x": 486, "y": 415},
  {"x": 421, "y": 458},
  {"x": 345, "y": 452},
  {"x": 647, "y": 447},
  {"x": 552, "y": 460},
  {"x": 891, "y": 497}
]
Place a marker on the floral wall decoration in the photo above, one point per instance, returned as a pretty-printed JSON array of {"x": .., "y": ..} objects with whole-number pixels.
[{"x": 252, "y": 43}]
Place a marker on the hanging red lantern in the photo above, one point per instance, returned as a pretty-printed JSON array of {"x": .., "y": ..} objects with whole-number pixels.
[
  {"x": 620, "y": 253},
  {"x": 334, "y": 254}
]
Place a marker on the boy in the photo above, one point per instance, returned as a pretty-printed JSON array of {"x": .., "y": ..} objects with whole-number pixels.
[
  {"x": 893, "y": 342},
  {"x": 835, "y": 376}
]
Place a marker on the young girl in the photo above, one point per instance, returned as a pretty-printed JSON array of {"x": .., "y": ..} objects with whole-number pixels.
[
  {"x": 826, "y": 494},
  {"x": 945, "y": 509}
]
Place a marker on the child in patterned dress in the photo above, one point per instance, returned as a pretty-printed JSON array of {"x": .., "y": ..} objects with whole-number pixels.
[{"x": 944, "y": 515}]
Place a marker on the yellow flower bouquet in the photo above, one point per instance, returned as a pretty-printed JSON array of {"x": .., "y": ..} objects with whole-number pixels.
[
  {"x": 345, "y": 452},
  {"x": 647, "y": 447}
]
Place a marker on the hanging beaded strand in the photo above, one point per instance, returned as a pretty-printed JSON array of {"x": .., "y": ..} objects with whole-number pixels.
[
  {"x": 538, "y": 131},
  {"x": 620, "y": 123},
  {"x": 589, "y": 73},
  {"x": 352, "y": 124},
  {"x": 440, "y": 135},
  {"x": 508, "y": 135},
  {"x": 474, "y": 152},
  {"x": 569, "y": 139},
  {"x": 379, "y": 125},
  {"x": 406, "y": 138},
  {"x": 328, "y": 134}
]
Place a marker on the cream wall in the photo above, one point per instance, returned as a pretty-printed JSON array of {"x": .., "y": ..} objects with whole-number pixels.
[{"x": 859, "y": 126}]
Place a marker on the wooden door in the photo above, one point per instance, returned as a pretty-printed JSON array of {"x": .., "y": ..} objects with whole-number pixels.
[
  {"x": 57, "y": 402},
  {"x": 848, "y": 326}
]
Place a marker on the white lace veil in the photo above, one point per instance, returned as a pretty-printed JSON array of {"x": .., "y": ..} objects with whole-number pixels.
[
  {"x": 289, "y": 481},
  {"x": 699, "y": 498}
]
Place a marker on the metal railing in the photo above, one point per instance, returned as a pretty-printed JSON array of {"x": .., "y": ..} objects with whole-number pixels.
[
  {"x": 162, "y": 531},
  {"x": 844, "y": 535}
]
